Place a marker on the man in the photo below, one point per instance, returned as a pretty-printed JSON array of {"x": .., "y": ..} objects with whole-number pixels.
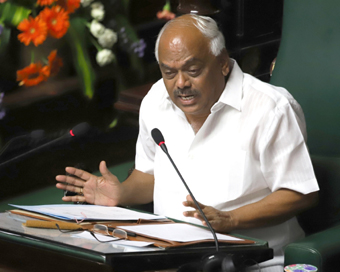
[{"x": 238, "y": 142}]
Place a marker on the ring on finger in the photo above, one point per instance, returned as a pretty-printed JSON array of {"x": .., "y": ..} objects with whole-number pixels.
[{"x": 81, "y": 191}]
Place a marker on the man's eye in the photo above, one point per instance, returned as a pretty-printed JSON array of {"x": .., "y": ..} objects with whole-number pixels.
[
  {"x": 169, "y": 73},
  {"x": 194, "y": 72}
]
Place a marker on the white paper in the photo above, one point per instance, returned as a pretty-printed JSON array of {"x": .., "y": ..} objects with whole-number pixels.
[
  {"x": 87, "y": 212},
  {"x": 177, "y": 232},
  {"x": 87, "y": 235}
]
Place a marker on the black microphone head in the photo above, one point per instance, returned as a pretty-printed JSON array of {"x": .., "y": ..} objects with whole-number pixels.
[
  {"x": 157, "y": 136},
  {"x": 80, "y": 130}
]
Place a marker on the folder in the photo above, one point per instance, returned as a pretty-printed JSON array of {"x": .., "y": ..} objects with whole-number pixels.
[
  {"x": 165, "y": 235},
  {"x": 44, "y": 221}
]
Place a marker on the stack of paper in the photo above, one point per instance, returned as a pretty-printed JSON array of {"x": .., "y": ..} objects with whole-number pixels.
[
  {"x": 88, "y": 212},
  {"x": 155, "y": 229}
]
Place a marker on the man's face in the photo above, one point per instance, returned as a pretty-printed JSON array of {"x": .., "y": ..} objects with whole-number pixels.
[{"x": 194, "y": 78}]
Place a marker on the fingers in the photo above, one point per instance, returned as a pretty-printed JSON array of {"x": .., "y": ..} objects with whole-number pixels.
[
  {"x": 76, "y": 198},
  {"x": 196, "y": 214},
  {"x": 78, "y": 173},
  {"x": 189, "y": 198},
  {"x": 76, "y": 177},
  {"x": 190, "y": 203},
  {"x": 69, "y": 180},
  {"x": 74, "y": 182},
  {"x": 70, "y": 188},
  {"x": 220, "y": 221}
]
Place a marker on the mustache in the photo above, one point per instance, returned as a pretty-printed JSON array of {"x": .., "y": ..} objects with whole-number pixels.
[{"x": 185, "y": 92}]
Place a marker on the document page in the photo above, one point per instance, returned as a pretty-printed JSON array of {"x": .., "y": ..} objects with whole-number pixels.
[
  {"x": 178, "y": 232},
  {"x": 87, "y": 212}
]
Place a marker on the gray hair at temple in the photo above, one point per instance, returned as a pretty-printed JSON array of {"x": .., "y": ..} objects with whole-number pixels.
[{"x": 207, "y": 26}]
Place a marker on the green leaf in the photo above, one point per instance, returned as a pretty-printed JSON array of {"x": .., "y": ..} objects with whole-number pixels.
[
  {"x": 135, "y": 61},
  {"x": 12, "y": 14},
  {"x": 77, "y": 34},
  {"x": 4, "y": 38},
  {"x": 114, "y": 123},
  {"x": 167, "y": 6},
  {"x": 126, "y": 4}
]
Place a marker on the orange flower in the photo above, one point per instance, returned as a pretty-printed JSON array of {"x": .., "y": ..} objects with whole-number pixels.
[
  {"x": 69, "y": 5},
  {"x": 54, "y": 63},
  {"x": 33, "y": 29},
  {"x": 33, "y": 74},
  {"x": 57, "y": 21},
  {"x": 45, "y": 2},
  {"x": 166, "y": 15}
]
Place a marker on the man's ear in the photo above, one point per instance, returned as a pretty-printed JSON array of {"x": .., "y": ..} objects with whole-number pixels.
[{"x": 224, "y": 58}]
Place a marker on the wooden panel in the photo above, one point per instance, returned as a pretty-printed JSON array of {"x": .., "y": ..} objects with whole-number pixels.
[{"x": 130, "y": 99}]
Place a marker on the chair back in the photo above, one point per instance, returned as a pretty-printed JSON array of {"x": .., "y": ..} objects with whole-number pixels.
[
  {"x": 327, "y": 213},
  {"x": 308, "y": 64}
]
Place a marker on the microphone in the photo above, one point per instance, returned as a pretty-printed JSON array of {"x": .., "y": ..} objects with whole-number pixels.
[
  {"x": 18, "y": 143},
  {"x": 76, "y": 132},
  {"x": 159, "y": 139},
  {"x": 217, "y": 261}
]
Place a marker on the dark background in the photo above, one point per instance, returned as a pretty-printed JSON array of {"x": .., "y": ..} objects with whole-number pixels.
[{"x": 252, "y": 29}]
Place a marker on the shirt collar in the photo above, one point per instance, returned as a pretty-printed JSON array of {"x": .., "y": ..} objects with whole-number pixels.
[{"x": 233, "y": 91}]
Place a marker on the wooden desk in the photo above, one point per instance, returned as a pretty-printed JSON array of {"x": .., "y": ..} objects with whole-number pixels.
[
  {"x": 130, "y": 99},
  {"x": 30, "y": 249},
  {"x": 24, "y": 96}
]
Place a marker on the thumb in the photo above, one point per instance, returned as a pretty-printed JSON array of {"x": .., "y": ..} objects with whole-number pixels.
[{"x": 104, "y": 170}]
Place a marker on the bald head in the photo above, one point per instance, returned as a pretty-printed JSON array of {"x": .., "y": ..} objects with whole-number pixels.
[
  {"x": 193, "y": 71},
  {"x": 180, "y": 41},
  {"x": 200, "y": 25}
]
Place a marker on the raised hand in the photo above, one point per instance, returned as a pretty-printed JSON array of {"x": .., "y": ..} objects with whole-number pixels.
[
  {"x": 104, "y": 190},
  {"x": 221, "y": 221}
]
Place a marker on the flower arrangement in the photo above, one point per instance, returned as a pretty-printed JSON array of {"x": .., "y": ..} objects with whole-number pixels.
[
  {"x": 80, "y": 22},
  {"x": 166, "y": 13},
  {"x": 2, "y": 110}
]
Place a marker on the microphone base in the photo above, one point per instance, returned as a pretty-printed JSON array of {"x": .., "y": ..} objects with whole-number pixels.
[
  {"x": 218, "y": 261},
  {"x": 212, "y": 262}
]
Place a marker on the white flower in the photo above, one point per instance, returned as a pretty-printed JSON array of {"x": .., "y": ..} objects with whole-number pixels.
[
  {"x": 108, "y": 38},
  {"x": 104, "y": 57},
  {"x": 86, "y": 3},
  {"x": 97, "y": 5},
  {"x": 98, "y": 14},
  {"x": 96, "y": 28}
]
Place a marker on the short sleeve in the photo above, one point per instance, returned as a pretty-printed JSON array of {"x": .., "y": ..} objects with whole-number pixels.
[
  {"x": 285, "y": 160},
  {"x": 145, "y": 147}
]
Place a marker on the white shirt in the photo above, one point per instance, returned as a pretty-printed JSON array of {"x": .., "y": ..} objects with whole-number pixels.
[{"x": 252, "y": 144}]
